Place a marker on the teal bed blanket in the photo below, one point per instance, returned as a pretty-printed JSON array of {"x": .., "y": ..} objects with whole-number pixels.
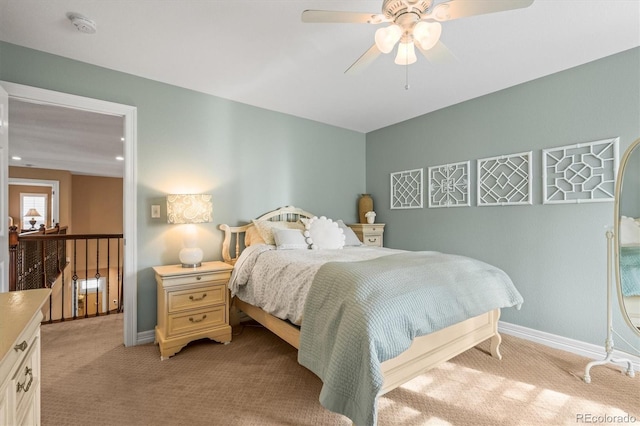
[
  {"x": 360, "y": 314},
  {"x": 630, "y": 270}
]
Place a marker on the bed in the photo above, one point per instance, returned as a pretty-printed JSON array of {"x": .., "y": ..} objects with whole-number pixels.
[{"x": 408, "y": 357}]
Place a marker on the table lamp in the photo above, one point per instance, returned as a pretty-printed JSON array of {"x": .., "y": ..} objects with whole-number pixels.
[
  {"x": 189, "y": 209},
  {"x": 32, "y": 213}
]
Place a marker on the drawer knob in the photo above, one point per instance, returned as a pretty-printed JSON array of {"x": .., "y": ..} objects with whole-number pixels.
[
  {"x": 197, "y": 320},
  {"x": 25, "y": 387},
  {"x": 198, "y": 278},
  {"x": 372, "y": 240},
  {"x": 21, "y": 347},
  {"x": 196, "y": 299}
]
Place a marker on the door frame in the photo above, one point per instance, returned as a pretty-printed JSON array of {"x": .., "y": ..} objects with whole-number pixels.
[{"x": 129, "y": 113}]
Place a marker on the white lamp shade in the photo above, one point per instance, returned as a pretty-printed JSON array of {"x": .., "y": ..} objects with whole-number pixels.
[
  {"x": 427, "y": 34},
  {"x": 406, "y": 54},
  {"x": 387, "y": 37}
]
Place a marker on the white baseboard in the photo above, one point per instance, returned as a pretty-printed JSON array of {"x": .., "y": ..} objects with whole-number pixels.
[
  {"x": 148, "y": 336},
  {"x": 577, "y": 347}
]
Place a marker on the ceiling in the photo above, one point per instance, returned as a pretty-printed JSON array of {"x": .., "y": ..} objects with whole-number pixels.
[{"x": 259, "y": 52}]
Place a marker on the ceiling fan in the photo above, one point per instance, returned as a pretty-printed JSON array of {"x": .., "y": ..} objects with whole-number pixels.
[{"x": 414, "y": 23}]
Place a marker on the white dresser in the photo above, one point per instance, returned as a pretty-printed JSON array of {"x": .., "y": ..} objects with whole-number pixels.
[{"x": 20, "y": 316}]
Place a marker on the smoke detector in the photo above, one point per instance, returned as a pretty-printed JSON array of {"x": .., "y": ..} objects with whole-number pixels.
[{"x": 82, "y": 23}]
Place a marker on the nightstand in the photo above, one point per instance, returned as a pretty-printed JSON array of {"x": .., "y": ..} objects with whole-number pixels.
[
  {"x": 193, "y": 303},
  {"x": 369, "y": 233}
]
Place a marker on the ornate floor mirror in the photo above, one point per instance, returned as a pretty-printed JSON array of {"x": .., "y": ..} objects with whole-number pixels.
[{"x": 624, "y": 242}]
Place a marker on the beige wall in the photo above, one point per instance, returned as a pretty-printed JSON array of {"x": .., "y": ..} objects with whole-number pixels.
[
  {"x": 65, "y": 195},
  {"x": 14, "y": 203},
  {"x": 97, "y": 208},
  {"x": 97, "y": 205}
]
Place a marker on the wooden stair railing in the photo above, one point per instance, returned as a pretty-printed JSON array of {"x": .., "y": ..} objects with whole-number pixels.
[{"x": 35, "y": 262}]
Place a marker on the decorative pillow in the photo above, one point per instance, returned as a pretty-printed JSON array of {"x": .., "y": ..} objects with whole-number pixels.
[
  {"x": 323, "y": 233},
  {"x": 289, "y": 239},
  {"x": 350, "y": 237},
  {"x": 252, "y": 236},
  {"x": 266, "y": 227}
]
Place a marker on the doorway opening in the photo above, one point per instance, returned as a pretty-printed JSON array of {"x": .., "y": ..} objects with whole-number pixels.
[{"x": 129, "y": 116}]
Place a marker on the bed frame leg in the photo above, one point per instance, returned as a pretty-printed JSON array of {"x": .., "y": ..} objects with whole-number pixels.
[{"x": 495, "y": 346}]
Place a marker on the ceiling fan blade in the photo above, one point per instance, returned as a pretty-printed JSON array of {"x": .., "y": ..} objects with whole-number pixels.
[
  {"x": 438, "y": 54},
  {"x": 364, "y": 61},
  {"x": 331, "y": 16},
  {"x": 456, "y": 9}
]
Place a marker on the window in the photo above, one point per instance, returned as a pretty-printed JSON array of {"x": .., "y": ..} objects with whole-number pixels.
[{"x": 37, "y": 202}]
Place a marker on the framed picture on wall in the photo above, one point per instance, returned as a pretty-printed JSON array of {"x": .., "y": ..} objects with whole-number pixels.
[
  {"x": 406, "y": 189},
  {"x": 449, "y": 185},
  {"x": 505, "y": 180},
  {"x": 580, "y": 173}
]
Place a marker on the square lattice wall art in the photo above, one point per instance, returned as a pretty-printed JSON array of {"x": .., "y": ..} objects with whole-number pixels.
[
  {"x": 406, "y": 189},
  {"x": 580, "y": 173},
  {"x": 505, "y": 180},
  {"x": 449, "y": 185}
]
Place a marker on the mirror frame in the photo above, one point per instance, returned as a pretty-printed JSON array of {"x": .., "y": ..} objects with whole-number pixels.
[{"x": 616, "y": 223}]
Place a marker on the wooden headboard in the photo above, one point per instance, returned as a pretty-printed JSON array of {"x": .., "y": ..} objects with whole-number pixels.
[{"x": 234, "y": 234}]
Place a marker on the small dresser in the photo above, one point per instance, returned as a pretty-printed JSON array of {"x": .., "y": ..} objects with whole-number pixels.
[
  {"x": 20, "y": 317},
  {"x": 193, "y": 303},
  {"x": 371, "y": 234}
]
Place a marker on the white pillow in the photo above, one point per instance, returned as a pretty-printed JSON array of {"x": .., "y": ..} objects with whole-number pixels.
[
  {"x": 323, "y": 233},
  {"x": 350, "y": 237},
  {"x": 266, "y": 227},
  {"x": 289, "y": 239},
  {"x": 629, "y": 231}
]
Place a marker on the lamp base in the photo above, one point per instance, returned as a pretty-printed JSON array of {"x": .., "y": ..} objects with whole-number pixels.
[{"x": 192, "y": 265}]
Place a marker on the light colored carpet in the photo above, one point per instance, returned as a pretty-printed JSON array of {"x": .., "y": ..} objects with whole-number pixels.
[{"x": 90, "y": 378}]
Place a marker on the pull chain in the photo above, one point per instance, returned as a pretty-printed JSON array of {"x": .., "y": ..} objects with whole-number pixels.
[
  {"x": 406, "y": 76},
  {"x": 406, "y": 69}
]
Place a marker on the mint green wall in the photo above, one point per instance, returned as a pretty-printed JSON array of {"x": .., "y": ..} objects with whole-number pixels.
[
  {"x": 555, "y": 254},
  {"x": 252, "y": 160}
]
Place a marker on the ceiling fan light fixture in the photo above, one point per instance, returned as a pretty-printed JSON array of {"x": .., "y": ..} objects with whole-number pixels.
[
  {"x": 427, "y": 34},
  {"x": 387, "y": 37},
  {"x": 406, "y": 54}
]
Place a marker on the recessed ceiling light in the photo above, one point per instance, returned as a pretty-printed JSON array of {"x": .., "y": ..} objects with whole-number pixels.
[
  {"x": 120, "y": 158},
  {"x": 15, "y": 157}
]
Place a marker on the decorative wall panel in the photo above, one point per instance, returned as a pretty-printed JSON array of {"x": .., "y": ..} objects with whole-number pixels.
[
  {"x": 505, "y": 180},
  {"x": 449, "y": 185},
  {"x": 406, "y": 189},
  {"x": 580, "y": 173}
]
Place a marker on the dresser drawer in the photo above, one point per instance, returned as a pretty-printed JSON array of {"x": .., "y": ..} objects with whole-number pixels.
[
  {"x": 196, "y": 298},
  {"x": 26, "y": 380},
  {"x": 373, "y": 240},
  {"x": 191, "y": 321},
  {"x": 374, "y": 229},
  {"x": 221, "y": 277}
]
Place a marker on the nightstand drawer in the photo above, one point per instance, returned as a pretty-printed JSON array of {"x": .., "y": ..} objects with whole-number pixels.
[
  {"x": 196, "y": 320},
  {"x": 373, "y": 240},
  {"x": 196, "y": 298},
  {"x": 221, "y": 277}
]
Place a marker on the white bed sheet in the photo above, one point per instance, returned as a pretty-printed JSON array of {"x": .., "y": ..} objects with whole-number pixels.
[{"x": 278, "y": 280}]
